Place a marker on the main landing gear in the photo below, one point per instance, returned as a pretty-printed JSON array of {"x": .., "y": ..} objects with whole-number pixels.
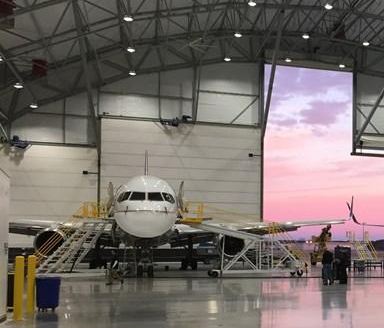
[
  {"x": 144, "y": 258},
  {"x": 190, "y": 260}
]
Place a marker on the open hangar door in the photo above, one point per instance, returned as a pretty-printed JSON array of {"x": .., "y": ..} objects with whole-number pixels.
[
  {"x": 368, "y": 105},
  {"x": 211, "y": 156}
]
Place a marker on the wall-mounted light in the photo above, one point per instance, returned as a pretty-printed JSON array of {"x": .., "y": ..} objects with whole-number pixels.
[
  {"x": 34, "y": 105},
  {"x": 341, "y": 65},
  {"x": 18, "y": 85},
  {"x": 328, "y": 6},
  {"x": 366, "y": 43},
  {"x": 132, "y": 73},
  {"x": 288, "y": 60},
  {"x": 131, "y": 49},
  {"x": 251, "y": 3},
  {"x": 305, "y": 36},
  {"x": 227, "y": 59}
]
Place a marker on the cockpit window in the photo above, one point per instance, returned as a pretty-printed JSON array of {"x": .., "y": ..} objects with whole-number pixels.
[
  {"x": 168, "y": 197},
  {"x": 155, "y": 196},
  {"x": 123, "y": 196},
  {"x": 137, "y": 195}
]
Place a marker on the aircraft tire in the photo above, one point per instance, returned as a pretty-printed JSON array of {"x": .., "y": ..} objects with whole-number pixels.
[
  {"x": 150, "y": 271},
  {"x": 140, "y": 271}
]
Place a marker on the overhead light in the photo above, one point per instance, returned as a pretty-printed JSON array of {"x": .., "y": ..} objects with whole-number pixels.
[
  {"x": 251, "y": 3},
  {"x": 128, "y": 18},
  {"x": 341, "y": 65},
  {"x": 328, "y": 6},
  {"x": 288, "y": 60},
  {"x": 34, "y": 105},
  {"x": 132, "y": 73},
  {"x": 131, "y": 49},
  {"x": 305, "y": 36},
  {"x": 18, "y": 85},
  {"x": 1, "y": 59},
  {"x": 227, "y": 59},
  {"x": 366, "y": 43},
  {"x": 238, "y": 35}
]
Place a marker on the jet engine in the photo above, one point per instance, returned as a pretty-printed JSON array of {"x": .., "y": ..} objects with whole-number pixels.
[
  {"x": 48, "y": 240},
  {"x": 232, "y": 245}
]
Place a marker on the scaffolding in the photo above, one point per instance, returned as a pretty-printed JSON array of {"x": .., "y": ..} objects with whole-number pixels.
[{"x": 266, "y": 248}]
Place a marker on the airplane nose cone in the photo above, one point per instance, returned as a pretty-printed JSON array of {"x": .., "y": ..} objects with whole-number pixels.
[{"x": 145, "y": 224}]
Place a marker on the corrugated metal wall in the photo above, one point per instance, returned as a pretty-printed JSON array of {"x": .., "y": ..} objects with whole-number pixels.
[
  {"x": 212, "y": 160},
  {"x": 47, "y": 183}
]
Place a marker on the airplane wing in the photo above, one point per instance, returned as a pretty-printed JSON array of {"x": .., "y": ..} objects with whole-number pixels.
[
  {"x": 258, "y": 228},
  {"x": 30, "y": 227}
]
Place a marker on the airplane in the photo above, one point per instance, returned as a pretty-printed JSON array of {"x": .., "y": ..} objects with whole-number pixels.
[{"x": 145, "y": 212}]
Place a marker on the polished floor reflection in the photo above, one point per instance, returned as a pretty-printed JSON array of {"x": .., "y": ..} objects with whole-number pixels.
[{"x": 209, "y": 302}]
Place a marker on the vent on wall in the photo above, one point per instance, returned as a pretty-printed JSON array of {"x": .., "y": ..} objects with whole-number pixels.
[
  {"x": 6, "y": 9},
  {"x": 39, "y": 67}
]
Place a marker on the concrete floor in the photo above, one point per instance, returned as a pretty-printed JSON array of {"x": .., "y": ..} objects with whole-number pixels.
[{"x": 209, "y": 302}]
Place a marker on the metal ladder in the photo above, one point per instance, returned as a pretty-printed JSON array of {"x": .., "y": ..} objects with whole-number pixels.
[{"x": 74, "y": 249}]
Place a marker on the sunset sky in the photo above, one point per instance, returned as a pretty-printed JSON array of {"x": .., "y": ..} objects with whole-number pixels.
[{"x": 309, "y": 172}]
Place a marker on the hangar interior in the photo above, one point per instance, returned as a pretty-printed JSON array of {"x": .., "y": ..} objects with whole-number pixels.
[{"x": 92, "y": 84}]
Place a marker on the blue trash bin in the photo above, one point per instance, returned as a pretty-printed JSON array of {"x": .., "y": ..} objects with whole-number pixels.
[{"x": 47, "y": 293}]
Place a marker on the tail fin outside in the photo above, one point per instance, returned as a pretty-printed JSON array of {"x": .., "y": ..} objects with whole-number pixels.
[{"x": 351, "y": 214}]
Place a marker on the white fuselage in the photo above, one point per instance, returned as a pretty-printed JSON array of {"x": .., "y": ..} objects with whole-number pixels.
[{"x": 145, "y": 207}]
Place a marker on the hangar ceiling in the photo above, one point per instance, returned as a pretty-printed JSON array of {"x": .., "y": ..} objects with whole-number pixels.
[{"x": 58, "y": 48}]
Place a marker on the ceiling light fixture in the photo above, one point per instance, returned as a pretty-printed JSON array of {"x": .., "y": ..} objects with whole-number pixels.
[
  {"x": 132, "y": 73},
  {"x": 237, "y": 35},
  {"x": 288, "y": 60},
  {"x": 34, "y": 105},
  {"x": 131, "y": 49},
  {"x": 328, "y": 6},
  {"x": 341, "y": 65},
  {"x": 366, "y": 43},
  {"x": 128, "y": 18},
  {"x": 251, "y": 3},
  {"x": 1, "y": 59},
  {"x": 18, "y": 85},
  {"x": 227, "y": 59},
  {"x": 305, "y": 36}
]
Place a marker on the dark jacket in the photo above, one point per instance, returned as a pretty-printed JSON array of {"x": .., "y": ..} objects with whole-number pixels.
[{"x": 327, "y": 257}]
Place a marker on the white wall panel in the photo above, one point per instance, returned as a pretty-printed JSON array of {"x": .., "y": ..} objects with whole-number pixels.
[
  {"x": 129, "y": 105},
  {"x": 226, "y": 90},
  {"x": 41, "y": 128},
  {"x": 176, "y": 83},
  {"x": 4, "y": 213},
  {"x": 143, "y": 84},
  {"x": 212, "y": 160},
  {"x": 367, "y": 90},
  {"x": 231, "y": 77},
  {"x": 47, "y": 184}
]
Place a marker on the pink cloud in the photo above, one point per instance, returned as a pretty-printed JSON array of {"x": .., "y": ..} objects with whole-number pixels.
[{"x": 323, "y": 112}]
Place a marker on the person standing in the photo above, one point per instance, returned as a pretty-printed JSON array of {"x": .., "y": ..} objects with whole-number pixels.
[{"x": 327, "y": 267}]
